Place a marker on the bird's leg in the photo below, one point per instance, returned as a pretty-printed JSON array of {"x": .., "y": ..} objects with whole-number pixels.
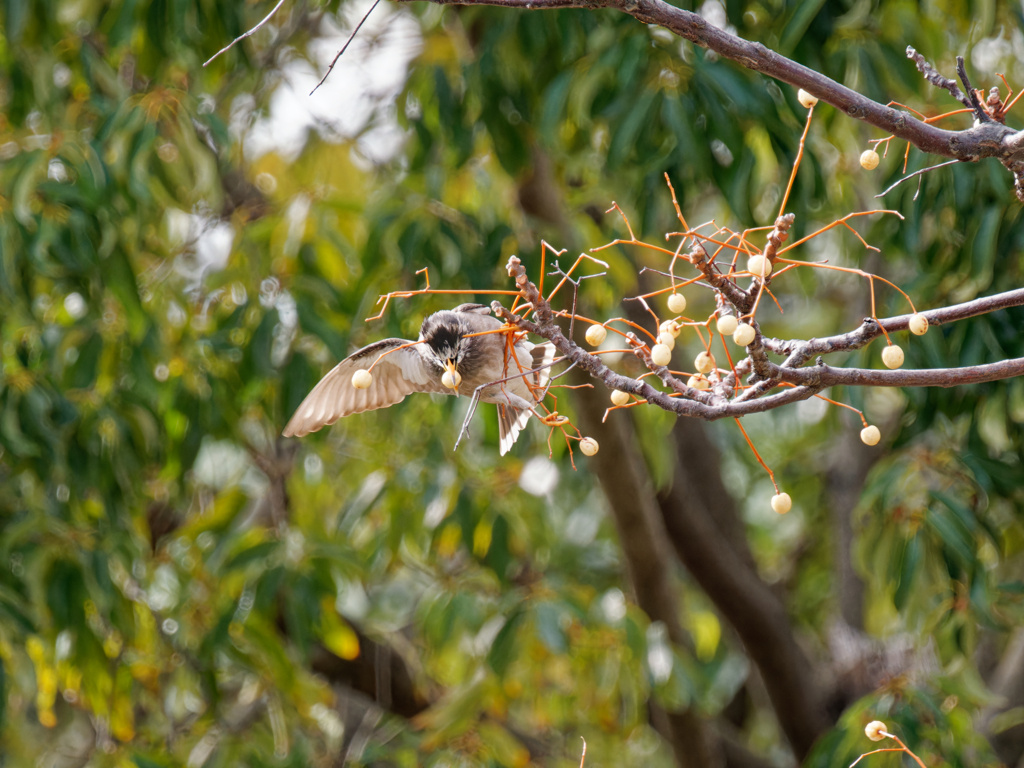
[{"x": 474, "y": 401}]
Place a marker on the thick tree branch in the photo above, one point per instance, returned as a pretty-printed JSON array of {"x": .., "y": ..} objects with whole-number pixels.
[
  {"x": 630, "y": 494},
  {"x": 801, "y": 351},
  {"x": 822, "y": 376},
  {"x": 1007, "y": 683},
  {"x": 808, "y": 381},
  {"x": 746, "y": 602},
  {"x": 988, "y": 139}
]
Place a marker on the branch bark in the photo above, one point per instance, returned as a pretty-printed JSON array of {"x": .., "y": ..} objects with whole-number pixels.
[
  {"x": 988, "y": 139},
  {"x": 627, "y": 486},
  {"x": 1008, "y": 683},
  {"x": 692, "y": 511},
  {"x": 808, "y": 381}
]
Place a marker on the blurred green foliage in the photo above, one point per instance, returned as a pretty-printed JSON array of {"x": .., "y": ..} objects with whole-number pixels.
[{"x": 170, "y": 571}]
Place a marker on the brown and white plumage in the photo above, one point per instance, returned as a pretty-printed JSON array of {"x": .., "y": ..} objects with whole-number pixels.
[{"x": 445, "y": 342}]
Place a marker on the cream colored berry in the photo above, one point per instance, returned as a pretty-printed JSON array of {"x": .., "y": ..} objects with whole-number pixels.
[
  {"x": 667, "y": 339},
  {"x": 870, "y": 435},
  {"x": 596, "y": 334},
  {"x": 704, "y": 362},
  {"x": 619, "y": 397},
  {"x": 744, "y": 334},
  {"x": 918, "y": 325},
  {"x": 759, "y": 266},
  {"x": 451, "y": 379},
  {"x": 892, "y": 356},
  {"x": 869, "y": 159},
  {"x": 875, "y": 730},
  {"x": 727, "y": 325},
  {"x": 698, "y": 382},
  {"x": 589, "y": 446},
  {"x": 806, "y": 100},
  {"x": 661, "y": 355},
  {"x": 782, "y": 503},
  {"x": 362, "y": 379},
  {"x": 671, "y": 326},
  {"x": 676, "y": 303}
]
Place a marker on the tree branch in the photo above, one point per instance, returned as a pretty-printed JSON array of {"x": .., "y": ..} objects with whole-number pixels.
[
  {"x": 627, "y": 487},
  {"x": 809, "y": 381},
  {"x": 989, "y": 139},
  {"x": 823, "y": 376},
  {"x": 691, "y": 509},
  {"x": 244, "y": 35}
]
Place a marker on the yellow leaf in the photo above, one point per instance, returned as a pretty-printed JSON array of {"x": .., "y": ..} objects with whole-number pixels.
[
  {"x": 449, "y": 540},
  {"x": 47, "y": 718},
  {"x": 342, "y": 641},
  {"x": 34, "y": 648},
  {"x": 706, "y": 633},
  {"x": 482, "y": 538}
]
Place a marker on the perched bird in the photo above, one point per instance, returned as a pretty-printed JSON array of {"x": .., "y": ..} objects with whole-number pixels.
[{"x": 447, "y": 360}]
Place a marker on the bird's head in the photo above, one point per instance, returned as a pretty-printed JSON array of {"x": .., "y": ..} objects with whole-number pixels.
[{"x": 446, "y": 346}]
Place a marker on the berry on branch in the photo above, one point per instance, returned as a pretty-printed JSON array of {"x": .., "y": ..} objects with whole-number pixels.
[
  {"x": 875, "y": 730},
  {"x": 870, "y": 435},
  {"x": 759, "y": 266},
  {"x": 806, "y": 100},
  {"x": 892, "y": 356},
  {"x": 704, "y": 362},
  {"x": 596, "y": 334},
  {"x": 727, "y": 325},
  {"x": 661, "y": 355},
  {"x": 744, "y": 334}
]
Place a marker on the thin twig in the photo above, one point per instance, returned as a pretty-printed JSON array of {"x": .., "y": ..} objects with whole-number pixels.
[
  {"x": 244, "y": 35},
  {"x": 916, "y": 173},
  {"x": 345, "y": 47}
]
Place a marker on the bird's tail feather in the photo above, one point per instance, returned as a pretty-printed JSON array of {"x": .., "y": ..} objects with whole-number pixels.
[{"x": 510, "y": 422}]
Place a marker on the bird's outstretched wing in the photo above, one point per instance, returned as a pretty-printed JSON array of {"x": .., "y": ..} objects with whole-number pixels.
[{"x": 398, "y": 374}]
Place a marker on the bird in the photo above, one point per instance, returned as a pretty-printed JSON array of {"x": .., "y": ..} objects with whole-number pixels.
[{"x": 446, "y": 359}]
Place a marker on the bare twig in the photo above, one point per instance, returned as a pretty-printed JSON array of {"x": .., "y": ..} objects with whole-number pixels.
[
  {"x": 934, "y": 77},
  {"x": 244, "y": 35},
  {"x": 346, "y": 45},
  {"x": 979, "y": 111},
  {"x": 809, "y": 381},
  {"x": 916, "y": 173}
]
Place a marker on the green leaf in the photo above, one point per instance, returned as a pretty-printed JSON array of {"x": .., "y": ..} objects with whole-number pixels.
[
  {"x": 624, "y": 138},
  {"x": 1006, "y": 720},
  {"x": 957, "y": 541},
  {"x": 252, "y": 554},
  {"x": 548, "y": 618},
  {"x": 797, "y": 25},
  {"x": 908, "y": 570},
  {"x": 16, "y": 12},
  {"x": 3, "y": 692},
  {"x": 503, "y": 649}
]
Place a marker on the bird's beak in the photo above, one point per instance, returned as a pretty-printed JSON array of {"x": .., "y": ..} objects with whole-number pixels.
[{"x": 450, "y": 366}]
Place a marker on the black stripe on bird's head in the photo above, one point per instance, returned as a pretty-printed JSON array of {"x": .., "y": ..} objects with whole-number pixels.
[{"x": 442, "y": 332}]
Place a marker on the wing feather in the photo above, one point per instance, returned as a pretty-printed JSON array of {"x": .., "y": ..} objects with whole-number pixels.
[{"x": 399, "y": 373}]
